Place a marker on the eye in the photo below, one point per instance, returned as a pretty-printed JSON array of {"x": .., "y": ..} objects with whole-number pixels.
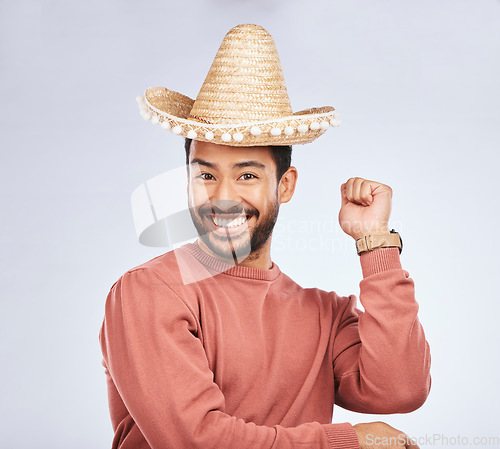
[
  {"x": 205, "y": 176},
  {"x": 247, "y": 176}
]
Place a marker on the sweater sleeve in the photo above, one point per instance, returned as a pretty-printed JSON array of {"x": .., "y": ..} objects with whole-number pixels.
[
  {"x": 381, "y": 358},
  {"x": 151, "y": 348}
]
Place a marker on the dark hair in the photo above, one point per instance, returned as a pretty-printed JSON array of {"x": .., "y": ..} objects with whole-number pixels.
[{"x": 282, "y": 156}]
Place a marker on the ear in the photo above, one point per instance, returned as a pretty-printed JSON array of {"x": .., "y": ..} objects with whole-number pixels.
[{"x": 287, "y": 184}]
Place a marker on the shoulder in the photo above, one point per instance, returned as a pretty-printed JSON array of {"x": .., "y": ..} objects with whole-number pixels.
[
  {"x": 154, "y": 273},
  {"x": 158, "y": 278},
  {"x": 165, "y": 262},
  {"x": 165, "y": 267}
]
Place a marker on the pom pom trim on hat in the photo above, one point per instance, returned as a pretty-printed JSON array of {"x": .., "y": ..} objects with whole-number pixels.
[{"x": 299, "y": 128}]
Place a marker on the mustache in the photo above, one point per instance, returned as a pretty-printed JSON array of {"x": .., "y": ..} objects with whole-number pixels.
[{"x": 226, "y": 207}]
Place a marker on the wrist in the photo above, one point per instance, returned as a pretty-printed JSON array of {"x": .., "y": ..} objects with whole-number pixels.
[
  {"x": 341, "y": 435},
  {"x": 378, "y": 260},
  {"x": 371, "y": 242},
  {"x": 372, "y": 231}
]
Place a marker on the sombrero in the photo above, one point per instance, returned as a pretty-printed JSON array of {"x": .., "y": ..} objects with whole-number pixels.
[{"x": 243, "y": 100}]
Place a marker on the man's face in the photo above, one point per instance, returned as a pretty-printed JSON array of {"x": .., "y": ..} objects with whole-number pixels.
[{"x": 233, "y": 197}]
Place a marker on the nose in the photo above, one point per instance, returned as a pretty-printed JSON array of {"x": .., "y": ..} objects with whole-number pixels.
[{"x": 225, "y": 193}]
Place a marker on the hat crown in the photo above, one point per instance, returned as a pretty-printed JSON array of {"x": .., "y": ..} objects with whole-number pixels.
[{"x": 245, "y": 82}]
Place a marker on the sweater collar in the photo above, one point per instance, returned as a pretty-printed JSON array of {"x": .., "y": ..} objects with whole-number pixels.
[{"x": 232, "y": 270}]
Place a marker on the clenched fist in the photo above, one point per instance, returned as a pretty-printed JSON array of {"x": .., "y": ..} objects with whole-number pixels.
[{"x": 366, "y": 207}]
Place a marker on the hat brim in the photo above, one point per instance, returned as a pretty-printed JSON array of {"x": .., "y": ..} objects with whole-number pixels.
[{"x": 171, "y": 110}]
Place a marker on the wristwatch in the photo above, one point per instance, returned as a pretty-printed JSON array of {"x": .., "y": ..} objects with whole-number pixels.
[{"x": 371, "y": 242}]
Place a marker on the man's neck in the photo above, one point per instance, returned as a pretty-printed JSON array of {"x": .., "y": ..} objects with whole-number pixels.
[{"x": 257, "y": 259}]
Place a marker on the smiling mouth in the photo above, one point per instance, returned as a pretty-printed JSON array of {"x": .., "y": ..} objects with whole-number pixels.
[{"x": 230, "y": 221}]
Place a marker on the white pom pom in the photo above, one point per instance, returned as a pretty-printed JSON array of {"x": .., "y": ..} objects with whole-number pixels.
[
  {"x": 314, "y": 126},
  {"x": 255, "y": 130},
  {"x": 324, "y": 125},
  {"x": 275, "y": 131},
  {"x": 302, "y": 128},
  {"x": 155, "y": 120},
  {"x": 147, "y": 115},
  {"x": 289, "y": 130},
  {"x": 192, "y": 134},
  {"x": 238, "y": 137},
  {"x": 335, "y": 114},
  {"x": 226, "y": 137},
  {"x": 165, "y": 124},
  {"x": 209, "y": 135},
  {"x": 177, "y": 129},
  {"x": 335, "y": 122},
  {"x": 140, "y": 99}
]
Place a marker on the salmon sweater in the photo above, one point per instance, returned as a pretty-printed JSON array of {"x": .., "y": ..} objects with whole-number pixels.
[{"x": 199, "y": 354}]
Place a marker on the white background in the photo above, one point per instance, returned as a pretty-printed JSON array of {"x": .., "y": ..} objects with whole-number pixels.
[{"x": 416, "y": 84}]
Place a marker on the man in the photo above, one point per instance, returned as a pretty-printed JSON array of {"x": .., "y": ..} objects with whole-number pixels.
[{"x": 211, "y": 345}]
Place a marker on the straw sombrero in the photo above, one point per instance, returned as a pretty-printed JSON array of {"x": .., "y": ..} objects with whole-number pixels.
[{"x": 243, "y": 100}]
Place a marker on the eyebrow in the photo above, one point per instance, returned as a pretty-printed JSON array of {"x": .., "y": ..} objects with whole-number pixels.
[
  {"x": 249, "y": 164},
  {"x": 199, "y": 161},
  {"x": 237, "y": 165}
]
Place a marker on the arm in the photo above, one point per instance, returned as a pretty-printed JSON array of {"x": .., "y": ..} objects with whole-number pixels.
[
  {"x": 381, "y": 357},
  {"x": 151, "y": 346}
]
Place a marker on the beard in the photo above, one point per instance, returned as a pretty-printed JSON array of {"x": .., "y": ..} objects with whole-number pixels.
[{"x": 245, "y": 244}]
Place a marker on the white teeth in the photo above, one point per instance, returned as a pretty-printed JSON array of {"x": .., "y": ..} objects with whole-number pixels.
[
  {"x": 229, "y": 223},
  {"x": 234, "y": 223}
]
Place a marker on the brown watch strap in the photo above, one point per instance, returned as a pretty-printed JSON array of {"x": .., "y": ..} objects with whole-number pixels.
[{"x": 371, "y": 242}]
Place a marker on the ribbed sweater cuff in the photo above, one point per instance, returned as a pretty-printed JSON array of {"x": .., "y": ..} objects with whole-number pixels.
[
  {"x": 341, "y": 436},
  {"x": 378, "y": 260}
]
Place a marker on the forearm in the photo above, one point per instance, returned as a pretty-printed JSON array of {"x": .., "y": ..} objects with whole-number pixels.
[{"x": 388, "y": 369}]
